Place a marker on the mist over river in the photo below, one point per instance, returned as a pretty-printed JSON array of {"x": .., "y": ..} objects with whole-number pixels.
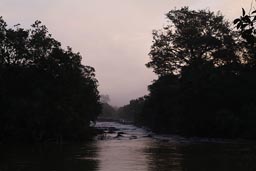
[{"x": 129, "y": 148}]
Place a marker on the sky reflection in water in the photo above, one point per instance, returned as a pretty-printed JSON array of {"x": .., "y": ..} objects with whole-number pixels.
[{"x": 124, "y": 153}]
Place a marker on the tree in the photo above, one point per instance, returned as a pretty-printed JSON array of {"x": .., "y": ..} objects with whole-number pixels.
[
  {"x": 190, "y": 36},
  {"x": 131, "y": 112},
  {"x": 45, "y": 91},
  {"x": 205, "y": 83}
]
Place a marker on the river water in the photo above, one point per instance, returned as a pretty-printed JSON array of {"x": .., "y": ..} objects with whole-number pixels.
[{"x": 134, "y": 149}]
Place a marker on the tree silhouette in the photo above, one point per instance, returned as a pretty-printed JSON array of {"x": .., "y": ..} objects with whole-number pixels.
[
  {"x": 189, "y": 36},
  {"x": 45, "y": 91},
  {"x": 246, "y": 25},
  {"x": 205, "y": 78}
]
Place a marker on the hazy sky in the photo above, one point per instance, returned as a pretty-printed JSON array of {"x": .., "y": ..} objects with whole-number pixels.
[{"x": 113, "y": 36}]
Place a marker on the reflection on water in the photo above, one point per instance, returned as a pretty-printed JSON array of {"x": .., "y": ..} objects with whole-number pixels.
[
  {"x": 132, "y": 151},
  {"x": 163, "y": 157},
  {"x": 235, "y": 157},
  {"x": 50, "y": 157},
  {"x": 122, "y": 156},
  {"x": 201, "y": 157}
]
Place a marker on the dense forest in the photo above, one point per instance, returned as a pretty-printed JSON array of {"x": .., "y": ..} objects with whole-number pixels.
[
  {"x": 206, "y": 82},
  {"x": 46, "y": 94},
  {"x": 206, "y": 77}
]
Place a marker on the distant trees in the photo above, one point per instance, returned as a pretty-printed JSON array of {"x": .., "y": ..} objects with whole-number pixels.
[
  {"x": 108, "y": 111},
  {"x": 131, "y": 112},
  {"x": 206, "y": 81},
  {"x": 45, "y": 91}
]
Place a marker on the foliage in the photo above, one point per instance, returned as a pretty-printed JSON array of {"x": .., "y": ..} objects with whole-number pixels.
[
  {"x": 246, "y": 25},
  {"x": 108, "y": 111},
  {"x": 45, "y": 91},
  {"x": 131, "y": 112},
  {"x": 205, "y": 84},
  {"x": 189, "y": 36}
]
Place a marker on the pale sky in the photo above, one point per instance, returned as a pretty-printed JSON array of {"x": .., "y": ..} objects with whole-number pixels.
[{"x": 113, "y": 36}]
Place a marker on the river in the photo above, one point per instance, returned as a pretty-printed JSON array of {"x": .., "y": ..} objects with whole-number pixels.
[{"x": 132, "y": 149}]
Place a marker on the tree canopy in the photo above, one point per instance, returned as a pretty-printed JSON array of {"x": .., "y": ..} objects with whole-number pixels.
[
  {"x": 45, "y": 91},
  {"x": 205, "y": 84},
  {"x": 192, "y": 36}
]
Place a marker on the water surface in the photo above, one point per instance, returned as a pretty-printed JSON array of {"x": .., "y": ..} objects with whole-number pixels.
[{"x": 132, "y": 150}]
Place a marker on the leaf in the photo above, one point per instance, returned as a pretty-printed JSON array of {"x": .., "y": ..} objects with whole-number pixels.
[
  {"x": 238, "y": 25},
  {"x": 246, "y": 19},
  {"x": 236, "y": 20},
  {"x": 243, "y": 11},
  {"x": 243, "y": 26}
]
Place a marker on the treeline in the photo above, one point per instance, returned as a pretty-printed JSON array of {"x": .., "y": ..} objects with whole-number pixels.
[
  {"x": 108, "y": 112},
  {"x": 129, "y": 112},
  {"x": 132, "y": 111},
  {"x": 45, "y": 92},
  {"x": 206, "y": 78}
]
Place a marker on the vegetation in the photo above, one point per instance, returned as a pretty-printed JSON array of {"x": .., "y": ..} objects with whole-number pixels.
[
  {"x": 45, "y": 91},
  {"x": 132, "y": 111},
  {"x": 246, "y": 25},
  {"x": 108, "y": 111},
  {"x": 206, "y": 83}
]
